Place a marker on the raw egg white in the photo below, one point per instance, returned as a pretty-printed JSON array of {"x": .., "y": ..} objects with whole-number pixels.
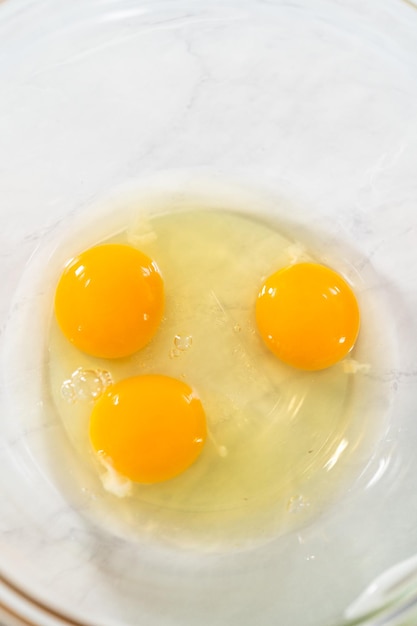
[{"x": 261, "y": 434}]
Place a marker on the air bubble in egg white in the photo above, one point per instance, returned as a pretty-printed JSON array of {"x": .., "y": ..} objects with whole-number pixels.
[
  {"x": 85, "y": 385},
  {"x": 297, "y": 504},
  {"x": 183, "y": 342}
]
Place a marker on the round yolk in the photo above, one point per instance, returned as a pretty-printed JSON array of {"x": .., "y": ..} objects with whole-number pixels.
[
  {"x": 109, "y": 300},
  {"x": 148, "y": 428},
  {"x": 308, "y": 316}
]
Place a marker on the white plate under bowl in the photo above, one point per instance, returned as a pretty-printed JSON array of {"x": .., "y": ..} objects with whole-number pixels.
[{"x": 306, "y": 111}]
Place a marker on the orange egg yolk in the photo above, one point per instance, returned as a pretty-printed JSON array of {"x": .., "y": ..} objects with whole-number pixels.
[
  {"x": 308, "y": 316},
  {"x": 109, "y": 300},
  {"x": 148, "y": 428}
]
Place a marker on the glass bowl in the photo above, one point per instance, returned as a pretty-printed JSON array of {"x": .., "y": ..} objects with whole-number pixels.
[{"x": 300, "y": 112}]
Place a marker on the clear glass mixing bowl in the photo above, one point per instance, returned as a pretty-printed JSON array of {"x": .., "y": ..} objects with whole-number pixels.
[{"x": 309, "y": 100}]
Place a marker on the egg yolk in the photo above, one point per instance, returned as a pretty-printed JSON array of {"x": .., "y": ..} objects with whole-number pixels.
[
  {"x": 109, "y": 300},
  {"x": 308, "y": 316},
  {"x": 149, "y": 428}
]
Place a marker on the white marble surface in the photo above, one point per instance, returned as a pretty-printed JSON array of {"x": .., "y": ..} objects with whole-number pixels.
[{"x": 311, "y": 101}]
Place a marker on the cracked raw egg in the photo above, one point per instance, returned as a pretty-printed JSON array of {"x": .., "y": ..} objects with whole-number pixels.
[
  {"x": 148, "y": 428},
  {"x": 109, "y": 300},
  {"x": 307, "y": 315},
  {"x": 200, "y": 431}
]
